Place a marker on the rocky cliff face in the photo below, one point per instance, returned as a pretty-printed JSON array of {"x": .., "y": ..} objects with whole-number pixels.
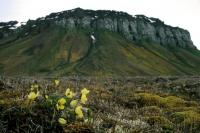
[{"x": 134, "y": 28}]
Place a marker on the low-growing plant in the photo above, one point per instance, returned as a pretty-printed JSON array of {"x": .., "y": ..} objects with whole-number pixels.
[
  {"x": 49, "y": 111},
  {"x": 161, "y": 121}
]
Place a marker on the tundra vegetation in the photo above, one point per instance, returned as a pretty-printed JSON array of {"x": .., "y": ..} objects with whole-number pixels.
[{"x": 91, "y": 104}]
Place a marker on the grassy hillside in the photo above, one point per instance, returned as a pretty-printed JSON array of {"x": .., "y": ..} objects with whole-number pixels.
[{"x": 56, "y": 51}]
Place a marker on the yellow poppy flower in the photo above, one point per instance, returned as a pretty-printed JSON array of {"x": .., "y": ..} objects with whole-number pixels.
[
  {"x": 32, "y": 95},
  {"x": 83, "y": 99},
  {"x": 60, "y": 107},
  {"x": 85, "y": 91},
  {"x": 61, "y": 104},
  {"x": 73, "y": 103},
  {"x": 57, "y": 82},
  {"x": 78, "y": 111},
  {"x": 62, "y": 121},
  {"x": 69, "y": 93},
  {"x": 46, "y": 96},
  {"x": 61, "y": 101}
]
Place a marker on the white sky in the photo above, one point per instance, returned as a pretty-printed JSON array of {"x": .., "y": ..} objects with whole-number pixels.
[{"x": 181, "y": 13}]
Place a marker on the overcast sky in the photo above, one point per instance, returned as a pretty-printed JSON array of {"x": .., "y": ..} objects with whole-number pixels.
[{"x": 181, "y": 13}]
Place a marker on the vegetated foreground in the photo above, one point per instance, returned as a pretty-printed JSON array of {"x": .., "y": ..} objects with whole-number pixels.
[{"x": 91, "y": 104}]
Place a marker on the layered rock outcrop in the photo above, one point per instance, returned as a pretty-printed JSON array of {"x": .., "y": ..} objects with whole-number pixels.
[{"x": 134, "y": 28}]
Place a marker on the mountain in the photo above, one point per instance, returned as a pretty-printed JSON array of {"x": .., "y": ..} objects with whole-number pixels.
[{"x": 96, "y": 43}]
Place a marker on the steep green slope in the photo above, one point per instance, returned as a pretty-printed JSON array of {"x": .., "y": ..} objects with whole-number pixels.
[
  {"x": 56, "y": 51},
  {"x": 185, "y": 60}
]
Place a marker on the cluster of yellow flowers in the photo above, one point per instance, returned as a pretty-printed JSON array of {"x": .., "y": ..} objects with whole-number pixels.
[
  {"x": 84, "y": 93},
  {"x": 79, "y": 112},
  {"x": 74, "y": 103},
  {"x": 71, "y": 101},
  {"x": 34, "y": 92}
]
